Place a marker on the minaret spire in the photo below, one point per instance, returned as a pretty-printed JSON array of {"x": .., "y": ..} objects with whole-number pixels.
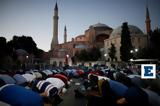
[
  {"x": 148, "y": 26},
  {"x": 148, "y": 21},
  {"x": 56, "y": 7},
  {"x": 65, "y": 34},
  {"x": 55, "y": 27}
]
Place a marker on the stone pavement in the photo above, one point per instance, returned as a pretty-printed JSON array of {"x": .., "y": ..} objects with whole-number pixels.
[{"x": 69, "y": 98}]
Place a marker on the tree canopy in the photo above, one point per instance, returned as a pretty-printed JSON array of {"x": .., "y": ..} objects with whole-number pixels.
[
  {"x": 112, "y": 52},
  {"x": 8, "y": 49},
  {"x": 126, "y": 44},
  {"x": 92, "y": 54}
]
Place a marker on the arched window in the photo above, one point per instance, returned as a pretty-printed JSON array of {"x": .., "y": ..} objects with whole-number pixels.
[
  {"x": 60, "y": 64},
  {"x": 54, "y": 63}
]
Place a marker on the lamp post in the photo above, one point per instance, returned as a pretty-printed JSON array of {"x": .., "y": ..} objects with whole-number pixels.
[
  {"x": 134, "y": 52},
  {"x": 66, "y": 59},
  {"x": 105, "y": 56}
]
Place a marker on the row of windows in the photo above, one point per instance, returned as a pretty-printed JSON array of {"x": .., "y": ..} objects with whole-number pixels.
[{"x": 56, "y": 63}]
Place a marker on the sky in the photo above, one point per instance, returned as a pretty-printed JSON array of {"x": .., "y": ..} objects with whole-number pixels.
[{"x": 35, "y": 17}]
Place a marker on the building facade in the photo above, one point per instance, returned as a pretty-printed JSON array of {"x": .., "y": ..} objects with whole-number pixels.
[
  {"x": 138, "y": 40},
  {"x": 98, "y": 35}
]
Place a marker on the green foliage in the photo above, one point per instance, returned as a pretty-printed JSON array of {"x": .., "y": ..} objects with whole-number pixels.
[
  {"x": 8, "y": 53},
  {"x": 23, "y": 42},
  {"x": 88, "y": 55},
  {"x": 126, "y": 44},
  {"x": 112, "y": 52}
]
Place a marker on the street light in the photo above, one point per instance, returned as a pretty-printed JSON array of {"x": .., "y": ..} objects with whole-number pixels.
[
  {"x": 105, "y": 55},
  {"x": 131, "y": 59},
  {"x": 131, "y": 51},
  {"x": 66, "y": 59},
  {"x": 134, "y": 52},
  {"x": 67, "y": 55}
]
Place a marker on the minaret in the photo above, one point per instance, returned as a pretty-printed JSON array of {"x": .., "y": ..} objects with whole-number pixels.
[
  {"x": 148, "y": 21},
  {"x": 148, "y": 27},
  {"x": 65, "y": 34},
  {"x": 55, "y": 28}
]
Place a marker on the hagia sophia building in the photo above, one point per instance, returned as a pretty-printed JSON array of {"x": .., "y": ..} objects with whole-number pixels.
[{"x": 98, "y": 35}]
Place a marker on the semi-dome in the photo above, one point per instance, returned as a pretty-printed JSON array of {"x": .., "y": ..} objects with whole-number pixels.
[{"x": 133, "y": 30}]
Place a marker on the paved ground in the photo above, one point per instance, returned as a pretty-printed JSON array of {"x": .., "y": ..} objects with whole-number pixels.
[{"x": 69, "y": 98}]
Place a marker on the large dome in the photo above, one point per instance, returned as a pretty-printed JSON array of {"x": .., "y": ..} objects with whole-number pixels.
[
  {"x": 133, "y": 30},
  {"x": 99, "y": 25}
]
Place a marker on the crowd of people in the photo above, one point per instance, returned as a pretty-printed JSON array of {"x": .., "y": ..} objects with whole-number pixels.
[
  {"x": 33, "y": 87},
  {"x": 119, "y": 87},
  {"x": 99, "y": 85}
]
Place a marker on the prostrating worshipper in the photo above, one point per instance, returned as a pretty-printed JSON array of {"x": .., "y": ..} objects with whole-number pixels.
[
  {"x": 16, "y": 95},
  {"x": 7, "y": 79},
  {"x": 117, "y": 89},
  {"x": 58, "y": 83},
  {"x": 154, "y": 98},
  {"x": 61, "y": 77},
  {"x": 100, "y": 94},
  {"x": 44, "y": 76},
  {"x": 122, "y": 78},
  {"x": 29, "y": 77},
  {"x": 37, "y": 74},
  {"x": 155, "y": 86},
  {"x": 134, "y": 96},
  {"x": 47, "y": 89},
  {"x": 20, "y": 80}
]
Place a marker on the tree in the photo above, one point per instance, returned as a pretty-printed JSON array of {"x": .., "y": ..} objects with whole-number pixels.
[
  {"x": 76, "y": 55},
  {"x": 94, "y": 54},
  {"x": 112, "y": 52},
  {"x": 155, "y": 44},
  {"x": 84, "y": 55},
  {"x": 126, "y": 44},
  {"x": 3, "y": 46},
  {"x": 153, "y": 50},
  {"x": 3, "y": 50}
]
